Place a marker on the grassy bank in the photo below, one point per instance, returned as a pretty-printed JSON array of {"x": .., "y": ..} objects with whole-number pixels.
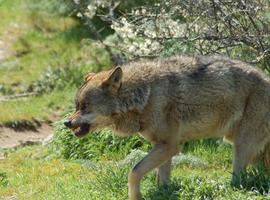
[
  {"x": 33, "y": 173},
  {"x": 37, "y": 41}
]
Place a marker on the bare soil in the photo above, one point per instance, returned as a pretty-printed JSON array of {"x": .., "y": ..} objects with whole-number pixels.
[
  {"x": 12, "y": 138},
  {"x": 20, "y": 136}
]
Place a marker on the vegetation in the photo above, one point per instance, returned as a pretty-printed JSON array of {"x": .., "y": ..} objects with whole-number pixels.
[
  {"x": 46, "y": 54},
  {"x": 100, "y": 144},
  {"x": 48, "y": 49},
  {"x": 239, "y": 29},
  {"x": 36, "y": 173}
]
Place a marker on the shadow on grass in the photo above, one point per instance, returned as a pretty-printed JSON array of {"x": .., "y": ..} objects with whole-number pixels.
[
  {"x": 255, "y": 180},
  {"x": 22, "y": 125},
  {"x": 168, "y": 192}
]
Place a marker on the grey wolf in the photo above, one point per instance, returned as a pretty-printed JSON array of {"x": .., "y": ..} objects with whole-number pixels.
[{"x": 174, "y": 100}]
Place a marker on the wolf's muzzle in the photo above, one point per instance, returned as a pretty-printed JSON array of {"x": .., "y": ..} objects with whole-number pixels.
[
  {"x": 68, "y": 123},
  {"x": 79, "y": 130}
]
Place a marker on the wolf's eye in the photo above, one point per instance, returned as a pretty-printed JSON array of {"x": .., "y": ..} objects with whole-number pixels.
[{"x": 83, "y": 106}]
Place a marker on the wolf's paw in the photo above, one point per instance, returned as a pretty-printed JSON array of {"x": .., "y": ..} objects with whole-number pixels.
[
  {"x": 136, "y": 197},
  {"x": 238, "y": 181}
]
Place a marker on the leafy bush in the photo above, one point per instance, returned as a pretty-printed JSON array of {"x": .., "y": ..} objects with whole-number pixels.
[
  {"x": 58, "y": 79},
  {"x": 170, "y": 27},
  {"x": 94, "y": 147},
  {"x": 60, "y": 7}
]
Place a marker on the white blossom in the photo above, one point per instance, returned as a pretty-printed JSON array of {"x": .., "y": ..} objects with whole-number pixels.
[{"x": 79, "y": 14}]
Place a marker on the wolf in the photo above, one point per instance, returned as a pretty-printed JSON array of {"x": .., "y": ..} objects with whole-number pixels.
[{"x": 174, "y": 100}]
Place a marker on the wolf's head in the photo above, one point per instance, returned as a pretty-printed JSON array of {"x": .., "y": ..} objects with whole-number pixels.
[{"x": 95, "y": 102}]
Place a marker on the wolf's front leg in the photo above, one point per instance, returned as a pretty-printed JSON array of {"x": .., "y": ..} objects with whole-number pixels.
[
  {"x": 158, "y": 156},
  {"x": 164, "y": 173}
]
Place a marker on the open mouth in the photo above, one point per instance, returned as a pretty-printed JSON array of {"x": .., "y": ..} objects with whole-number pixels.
[{"x": 82, "y": 130}]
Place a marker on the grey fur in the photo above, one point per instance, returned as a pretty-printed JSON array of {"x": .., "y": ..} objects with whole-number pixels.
[{"x": 174, "y": 100}]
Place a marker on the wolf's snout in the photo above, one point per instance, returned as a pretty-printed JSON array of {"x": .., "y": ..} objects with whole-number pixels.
[{"x": 67, "y": 123}]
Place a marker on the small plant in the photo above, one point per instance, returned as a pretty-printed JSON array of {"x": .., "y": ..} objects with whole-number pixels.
[
  {"x": 3, "y": 179},
  {"x": 112, "y": 179},
  {"x": 6, "y": 90},
  {"x": 192, "y": 161},
  {"x": 178, "y": 160}
]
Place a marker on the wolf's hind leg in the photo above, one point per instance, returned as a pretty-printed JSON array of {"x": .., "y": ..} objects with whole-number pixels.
[
  {"x": 250, "y": 134},
  {"x": 245, "y": 149},
  {"x": 163, "y": 173}
]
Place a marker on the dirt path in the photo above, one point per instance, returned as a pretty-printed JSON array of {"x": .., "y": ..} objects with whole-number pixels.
[{"x": 10, "y": 138}]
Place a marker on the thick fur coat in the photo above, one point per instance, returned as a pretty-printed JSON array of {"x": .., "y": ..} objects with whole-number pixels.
[{"x": 174, "y": 100}]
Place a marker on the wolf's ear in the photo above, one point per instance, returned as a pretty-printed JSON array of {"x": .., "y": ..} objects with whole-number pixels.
[
  {"x": 114, "y": 81},
  {"x": 88, "y": 76}
]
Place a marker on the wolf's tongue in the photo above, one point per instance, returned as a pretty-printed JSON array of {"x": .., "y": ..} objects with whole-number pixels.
[
  {"x": 82, "y": 130},
  {"x": 77, "y": 131}
]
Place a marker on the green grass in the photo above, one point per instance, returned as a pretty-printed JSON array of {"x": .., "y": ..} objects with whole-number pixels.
[
  {"x": 40, "y": 38},
  {"x": 34, "y": 173},
  {"x": 36, "y": 52},
  {"x": 98, "y": 145},
  {"x": 34, "y": 108}
]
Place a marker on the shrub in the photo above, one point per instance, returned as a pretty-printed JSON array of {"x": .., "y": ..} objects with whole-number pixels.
[
  {"x": 95, "y": 146},
  {"x": 58, "y": 79},
  {"x": 233, "y": 28}
]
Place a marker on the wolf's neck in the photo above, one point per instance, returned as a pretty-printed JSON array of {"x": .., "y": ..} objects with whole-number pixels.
[
  {"x": 133, "y": 99},
  {"x": 127, "y": 124},
  {"x": 129, "y": 108}
]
